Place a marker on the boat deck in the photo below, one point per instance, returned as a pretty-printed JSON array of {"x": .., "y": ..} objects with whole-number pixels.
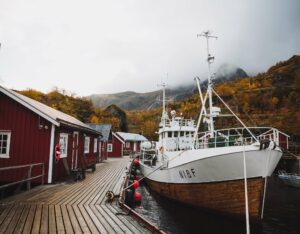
[{"x": 74, "y": 207}]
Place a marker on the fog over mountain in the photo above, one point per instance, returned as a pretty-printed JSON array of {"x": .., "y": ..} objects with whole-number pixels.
[
  {"x": 230, "y": 72},
  {"x": 142, "y": 101}
]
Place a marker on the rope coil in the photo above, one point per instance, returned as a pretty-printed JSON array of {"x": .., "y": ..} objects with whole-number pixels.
[{"x": 110, "y": 196}]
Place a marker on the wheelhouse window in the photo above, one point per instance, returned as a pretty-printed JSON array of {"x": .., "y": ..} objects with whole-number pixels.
[
  {"x": 4, "y": 144},
  {"x": 169, "y": 134},
  {"x": 175, "y": 134},
  {"x": 109, "y": 147},
  {"x": 95, "y": 145},
  {"x": 63, "y": 143},
  {"x": 181, "y": 134},
  {"x": 86, "y": 145}
]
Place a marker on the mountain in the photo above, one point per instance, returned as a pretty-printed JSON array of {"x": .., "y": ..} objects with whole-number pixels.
[
  {"x": 141, "y": 101},
  {"x": 230, "y": 72},
  {"x": 115, "y": 111}
]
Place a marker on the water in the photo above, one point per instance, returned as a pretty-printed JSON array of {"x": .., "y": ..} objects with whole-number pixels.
[{"x": 282, "y": 214}]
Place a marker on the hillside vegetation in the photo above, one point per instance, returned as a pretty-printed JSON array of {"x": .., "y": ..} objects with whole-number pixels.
[
  {"x": 81, "y": 108},
  {"x": 267, "y": 99}
]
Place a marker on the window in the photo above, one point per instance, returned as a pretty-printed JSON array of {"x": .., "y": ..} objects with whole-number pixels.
[
  {"x": 63, "y": 143},
  {"x": 109, "y": 147},
  {"x": 181, "y": 134},
  {"x": 86, "y": 145},
  {"x": 175, "y": 134},
  {"x": 127, "y": 144},
  {"x": 169, "y": 134},
  {"x": 95, "y": 145},
  {"x": 4, "y": 144}
]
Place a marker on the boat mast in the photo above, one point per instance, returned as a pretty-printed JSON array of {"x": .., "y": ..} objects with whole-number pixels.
[
  {"x": 210, "y": 59},
  {"x": 164, "y": 113},
  {"x": 164, "y": 98}
]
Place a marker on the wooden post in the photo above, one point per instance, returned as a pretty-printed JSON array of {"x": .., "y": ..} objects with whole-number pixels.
[{"x": 28, "y": 177}]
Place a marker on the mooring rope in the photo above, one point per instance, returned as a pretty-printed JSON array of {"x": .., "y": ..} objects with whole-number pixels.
[
  {"x": 110, "y": 195},
  {"x": 246, "y": 194},
  {"x": 265, "y": 185},
  {"x": 155, "y": 170}
]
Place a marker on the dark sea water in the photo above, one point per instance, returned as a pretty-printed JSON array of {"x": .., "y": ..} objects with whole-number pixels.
[{"x": 282, "y": 214}]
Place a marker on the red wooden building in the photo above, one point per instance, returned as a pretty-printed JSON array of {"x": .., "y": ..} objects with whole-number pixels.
[
  {"x": 117, "y": 144},
  {"x": 30, "y": 132},
  {"x": 105, "y": 137},
  {"x": 111, "y": 144},
  {"x": 132, "y": 142}
]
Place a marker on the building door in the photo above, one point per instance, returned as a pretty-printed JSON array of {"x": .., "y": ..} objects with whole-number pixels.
[
  {"x": 74, "y": 150},
  {"x": 134, "y": 147},
  {"x": 100, "y": 153}
]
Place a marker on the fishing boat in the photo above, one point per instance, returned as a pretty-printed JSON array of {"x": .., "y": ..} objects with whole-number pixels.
[
  {"x": 290, "y": 179},
  {"x": 220, "y": 170}
]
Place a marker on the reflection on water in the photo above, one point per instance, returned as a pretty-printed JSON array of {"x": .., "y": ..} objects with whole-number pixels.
[{"x": 282, "y": 214}]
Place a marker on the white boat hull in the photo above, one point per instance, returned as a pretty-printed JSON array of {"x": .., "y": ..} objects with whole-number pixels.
[
  {"x": 215, "y": 166},
  {"x": 215, "y": 181}
]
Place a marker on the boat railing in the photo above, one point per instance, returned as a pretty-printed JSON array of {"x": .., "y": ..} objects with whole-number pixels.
[
  {"x": 148, "y": 157},
  {"x": 236, "y": 137},
  {"x": 179, "y": 122}
]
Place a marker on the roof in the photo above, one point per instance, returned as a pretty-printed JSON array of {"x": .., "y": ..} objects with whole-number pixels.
[
  {"x": 54, "y": 116},
  {"x": 118, "y": 138},
  {"x": 132, "y": 136},
  {"x": 103, "y": 128}
]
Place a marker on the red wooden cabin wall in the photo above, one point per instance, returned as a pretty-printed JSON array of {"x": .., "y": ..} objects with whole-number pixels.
[{"x": 29, "y": 144}]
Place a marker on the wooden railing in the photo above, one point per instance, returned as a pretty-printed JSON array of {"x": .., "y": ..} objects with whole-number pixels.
[{"x": 29, "y": 178}]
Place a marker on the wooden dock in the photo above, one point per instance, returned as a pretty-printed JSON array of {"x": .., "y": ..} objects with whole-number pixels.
[{"x": 75, "y": 207}]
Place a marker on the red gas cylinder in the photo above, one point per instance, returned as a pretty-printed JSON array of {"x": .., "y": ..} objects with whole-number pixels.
[
  {"x": 137, "y": 197},
  {"x": 136, "y": 184},
  {"x": 136, "y": 162}
]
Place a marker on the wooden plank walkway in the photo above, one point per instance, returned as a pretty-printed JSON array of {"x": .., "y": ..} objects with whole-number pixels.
[{"x": 76, "y": 207}]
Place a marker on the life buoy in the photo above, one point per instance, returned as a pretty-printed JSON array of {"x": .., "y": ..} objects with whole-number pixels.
[{"x": 57, "y": 153}]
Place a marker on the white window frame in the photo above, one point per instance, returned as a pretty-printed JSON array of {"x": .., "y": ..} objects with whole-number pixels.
[
  {"x": 95, "y": 145},
  {"x": 8, "y": 134},
  {"x": 87, "y": 145},
  {"x": 63, "y": 145},
  {"x": 109, "y": 147},
  {"x": 127, "y": 144}
]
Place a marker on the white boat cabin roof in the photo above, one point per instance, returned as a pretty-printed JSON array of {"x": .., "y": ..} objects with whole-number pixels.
[{"x": 132, "y": 136}]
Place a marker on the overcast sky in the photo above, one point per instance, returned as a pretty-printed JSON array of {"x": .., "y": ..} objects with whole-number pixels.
[{"x": 98, "y": 46}]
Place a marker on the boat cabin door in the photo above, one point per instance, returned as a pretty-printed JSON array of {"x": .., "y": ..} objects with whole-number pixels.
[{"x": 74, "y": 150}]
